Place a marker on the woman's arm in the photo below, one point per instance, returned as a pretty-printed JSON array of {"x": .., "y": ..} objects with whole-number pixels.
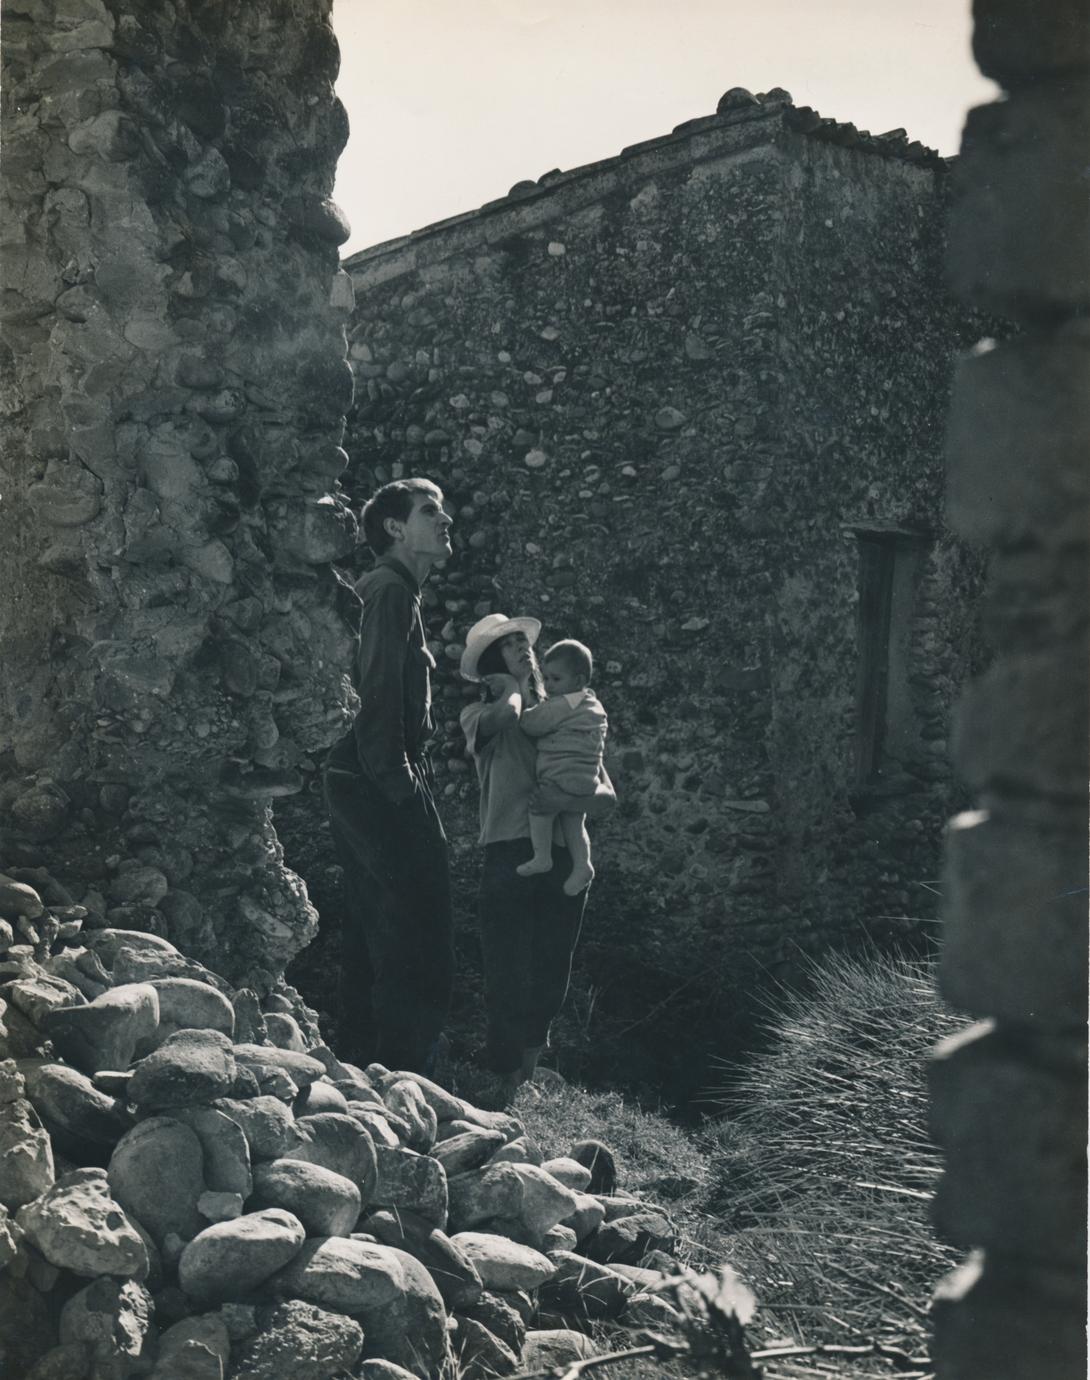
[{"x": 504, "y": 710}]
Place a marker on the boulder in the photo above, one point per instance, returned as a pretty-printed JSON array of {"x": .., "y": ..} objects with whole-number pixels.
[
  {"x": 224, "y": 1146},
  {"x": 28, "y": 1327},
  {"x": 197, "y": 1348},
  {"x": 337, "y": 1142},
  {"x": 453, "y": 1272},
  {"x": 391, "y": 1293},
  {"x": 509, "y": 1125},
  {"x": 320, "y": 1096},
  {"x": 588, "y": 1216},
  {"x": 185, "y": 1004},
  {"x": 300, "y": 1068},
  {"x": 520, "y": 1191},
  {"x": 559, "y": 1238},
  {"x": 157, "y": 1174},
  {"x": 284, "y": 1031},
  {"x": 18, "y": 899},
  {"x": 219, "y": 1207},
  {"x": 68, "y": 1361},
  {"x": 405, "y": 1100},
  {"x": 297, "y": 1341},
  {"x": 481, "y": 1354},
  {"x": 77, "y": 1225},
  {"x": 26, "y": 1154},
  {"x": 447, "y": 1130},
  {"x": 408, "y": 1180},
  {"x": 445, "y": 1105},
  {"x": 620, "y": 1205},
  {"x": 191, "y": 1066},
  {"x": 521, "y": 1150},
  {"x": 231, "y": 1259},
  {"x": 36, "y": 996},
  {"x": 109, "y": 943},
  {"x": 377, "y": 1369},
  {"x": 326, "y": 1203},
  {"x": 269, "y": 1127},
  {"x": 495, "y": 1310},
  {"x": 141, "y": 965},
  {"x": 504, "y": 1264},
  {"x": 113, "y": 1317},
  {"x": 109, "y": 1031},
  {"x": 628, "y": 1239},
  {"x": 85, "y": 1124},
  {"x": 568, "y": 1172},
  {"x": 376, "y": 1120},
  {"x": 460, "y": 1153},
  {"x": 600, "y": 1160},
  {"x": 654, "y": 1311},
  {"x": 556, "y": 1349},
  {"x": 583, "y": 1289}
]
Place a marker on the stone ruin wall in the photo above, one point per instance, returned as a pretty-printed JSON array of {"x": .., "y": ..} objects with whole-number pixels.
[
  {"x": 174, "y": 390},
  {"x": 1008, "y": 1096},
  {"x": 658, "y": 393}
]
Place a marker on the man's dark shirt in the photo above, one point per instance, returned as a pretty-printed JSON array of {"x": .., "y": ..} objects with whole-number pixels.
[{"x": 392, "y": 681}]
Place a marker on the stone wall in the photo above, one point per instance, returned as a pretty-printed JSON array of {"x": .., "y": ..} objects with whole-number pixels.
[
  {"x": 1009, "y": 1095},
  {"x": 174, "y": 385},
  {"x": 671, "y": 397}
]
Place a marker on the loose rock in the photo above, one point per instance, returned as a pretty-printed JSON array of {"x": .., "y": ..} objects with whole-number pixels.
[
  {"x": 77, "y": 1225},
  {"x": 231, "y": 1259},
  {"x": 326, "y": 1203}
]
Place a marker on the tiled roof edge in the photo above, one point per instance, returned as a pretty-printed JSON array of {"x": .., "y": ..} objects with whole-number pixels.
[{"x": 737, "y": 107}]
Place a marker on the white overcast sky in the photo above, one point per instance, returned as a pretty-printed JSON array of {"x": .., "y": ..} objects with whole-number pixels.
[{"x": 451, "y": 102}]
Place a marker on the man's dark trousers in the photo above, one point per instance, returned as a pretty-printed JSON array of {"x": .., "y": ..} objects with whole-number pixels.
[{"x": 397, "y": 957}]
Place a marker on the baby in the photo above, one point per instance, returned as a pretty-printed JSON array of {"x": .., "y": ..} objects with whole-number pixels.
[{"x": 570, "y": 730}]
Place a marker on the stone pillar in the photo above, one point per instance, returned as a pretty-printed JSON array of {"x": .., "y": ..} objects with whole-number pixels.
[
  {"x": 1009, "y": 1094},
  {"x": 173, "y": 387}
]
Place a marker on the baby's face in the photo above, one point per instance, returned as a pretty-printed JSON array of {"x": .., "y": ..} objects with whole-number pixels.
[{"x": 559, "y": 679}]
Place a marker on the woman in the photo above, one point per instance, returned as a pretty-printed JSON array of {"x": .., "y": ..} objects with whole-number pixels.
[{"x": 529, "y": 927}]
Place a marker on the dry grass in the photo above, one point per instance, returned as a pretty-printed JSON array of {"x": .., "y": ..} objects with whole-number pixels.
[
  {"x": 815, "y": 1187},
  {"x": 826, "y": 1173}
]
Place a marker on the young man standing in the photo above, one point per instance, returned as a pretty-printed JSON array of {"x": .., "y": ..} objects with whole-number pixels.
[{"x": 397, "y": 958}]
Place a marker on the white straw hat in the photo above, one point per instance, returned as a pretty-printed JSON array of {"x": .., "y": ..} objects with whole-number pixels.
[{"x": 490, "y": 629}]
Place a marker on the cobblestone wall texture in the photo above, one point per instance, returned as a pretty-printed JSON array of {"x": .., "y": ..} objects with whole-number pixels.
[
  {"x": 663, "y": 394},
  {"x": 173, "y": 391},
  {"x": 1009, "y": 1095}
]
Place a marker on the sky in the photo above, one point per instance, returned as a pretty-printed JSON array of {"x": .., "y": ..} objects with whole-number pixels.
[{"x": 451, "y": 102}]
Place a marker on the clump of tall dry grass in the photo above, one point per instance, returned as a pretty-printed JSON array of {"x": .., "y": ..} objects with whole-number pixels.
[{"x": 825, "y": 1170}]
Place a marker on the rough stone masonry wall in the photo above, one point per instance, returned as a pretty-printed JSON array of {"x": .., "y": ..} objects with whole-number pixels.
[
  {"x": 174, "y": 385},
  {"x": 864, "y": 336},
  {"x": 1009, "y": 1096},
  {"x": 655, "y": 391}
]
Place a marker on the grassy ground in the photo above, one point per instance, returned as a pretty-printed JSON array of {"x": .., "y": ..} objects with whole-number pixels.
[{"x": 815, "y": 1184}]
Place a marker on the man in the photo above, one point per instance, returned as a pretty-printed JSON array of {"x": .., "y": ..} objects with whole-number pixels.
[{"x": 397, "y": 957}]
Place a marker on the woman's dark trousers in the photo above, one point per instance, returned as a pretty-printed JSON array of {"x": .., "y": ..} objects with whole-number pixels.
[
  {"x": 529, "y": 930},
  {"x": 397, "y": 956}
]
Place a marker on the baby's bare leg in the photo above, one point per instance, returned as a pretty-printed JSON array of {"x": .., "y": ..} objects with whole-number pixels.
[
  {"x": 541, "y": 836},
  {"x": 574, "y": 829}
]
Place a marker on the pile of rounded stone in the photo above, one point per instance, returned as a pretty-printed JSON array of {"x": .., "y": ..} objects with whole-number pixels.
[{"x": 190, "y": 1193}]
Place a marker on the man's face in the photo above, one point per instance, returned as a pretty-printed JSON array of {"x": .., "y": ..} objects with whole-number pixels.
[
  {"x": 515, "y": 650},
  {"x": 426, "y": 531},
  {"x": 559, "y": 678}
]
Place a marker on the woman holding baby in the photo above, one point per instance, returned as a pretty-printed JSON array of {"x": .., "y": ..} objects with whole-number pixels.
[{"x": 539, "y": 764}]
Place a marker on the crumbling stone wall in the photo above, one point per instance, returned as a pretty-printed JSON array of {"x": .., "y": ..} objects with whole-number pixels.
[
  {"x": 666, "y": 394},
  {"x": 174, "y": 385},
  {"x": 1009, "y": 1096}
]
